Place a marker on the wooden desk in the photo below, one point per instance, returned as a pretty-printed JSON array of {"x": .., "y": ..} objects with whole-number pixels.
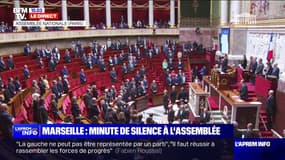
[
  {"x": 157, "y": 99},
  {"x": 197, "y": 98},
  {"x": 233, "y": 108},
  {"x": 141, "y": 103}
]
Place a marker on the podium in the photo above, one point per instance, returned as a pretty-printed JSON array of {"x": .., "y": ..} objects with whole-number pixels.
[
  {"x": 232, "y": 107},
  {"x": 221, "y": 80},
  {"x": 197, "y": 98}
]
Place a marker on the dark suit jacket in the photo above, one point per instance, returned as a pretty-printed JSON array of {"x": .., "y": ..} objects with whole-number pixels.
[
  {"x": 43, "y": 115},
  {"x": 270, "y": 105},
  {"x": 173, "y": 96},
  {"x": 243, "y": 92},
  {"x": 204, "y": 117},
  {"x": 93, "y": 110},
  {"x": 259, "y": 69},
  {"x": 2, "y": 66},
  {"x": 224, "y": 65},
  {"x": 82, "y": 77},
  {"x": 36, "y": 112},
  {"x": 10, "y": 63},
  {"x": 275, "y": 72},
  {"x": 55, "y": 91},
  {"x": 165, "y": 101},
  {"x": 12, "y": 88},
  {"x": 65, "y": 86},
  {"x": 249, "y": 134},
  {"x": 26, "y": 73},
  {"x": 171, "y": 116},
  {"x": 51, "y": 66},
  {"x": 6, "y": 124},
  {"x": 75, "y": 110}
]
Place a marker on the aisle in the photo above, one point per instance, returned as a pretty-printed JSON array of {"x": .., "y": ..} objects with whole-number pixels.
[{"x": 158, "y": 114}]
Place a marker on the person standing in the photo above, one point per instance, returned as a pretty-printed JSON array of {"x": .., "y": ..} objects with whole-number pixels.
[
  {"x": 6, "y": 121},
  {"x": 270, "y": 107},
  {"x": 205, "y": 116},
  {"x": 225, "y": 64},
  {"x": 243, "y": 91},
  {"x": 165, "y": 101}
]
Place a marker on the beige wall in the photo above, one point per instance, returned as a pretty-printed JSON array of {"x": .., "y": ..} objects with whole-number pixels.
[
  {"x": 238, "y": 40},
  {"x": 188, "y": 34}
]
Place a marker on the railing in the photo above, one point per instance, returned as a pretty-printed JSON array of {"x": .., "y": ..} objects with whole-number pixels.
[
  {"x": 195, "y": 22},
  {"x": 71, "y": 34},
  {"x": 16, "y": 103},
  {"x": 275, "y": 134}
]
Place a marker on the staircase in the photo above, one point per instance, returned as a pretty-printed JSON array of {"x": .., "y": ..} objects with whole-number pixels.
[
  {"x": 216, "y": 117},
  {"x": 264, "y": 131}
]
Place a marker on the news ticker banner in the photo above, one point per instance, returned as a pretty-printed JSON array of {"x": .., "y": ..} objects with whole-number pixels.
[
  {"x": 118, "y": 131},
  {"x": 259, "y": 149},
  {"x": 35, "y": 17}
]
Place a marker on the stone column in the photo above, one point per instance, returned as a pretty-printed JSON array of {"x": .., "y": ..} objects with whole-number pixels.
[
  {"x": 108, "y": 14},
  {"x": 130, "y": 14},
  {"x": 64, "y": 12},
  {"x": 42, "y": 5},
  {"x": 224, "y": 12},
  {"x": 172, "y": 13},
  {"x": 150, "y": 13},
  {"x": 235, "y": 11},
  {"x": 17, "y": 5},
  {"x": 86, "y": 14}
]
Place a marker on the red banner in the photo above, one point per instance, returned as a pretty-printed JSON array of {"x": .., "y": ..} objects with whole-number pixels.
[{"x": 44, "y": 16}]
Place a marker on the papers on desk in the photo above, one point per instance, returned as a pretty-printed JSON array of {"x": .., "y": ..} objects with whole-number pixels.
[
  {"x": 255, "y": 102},
  {"x": 237, "y": 99}
]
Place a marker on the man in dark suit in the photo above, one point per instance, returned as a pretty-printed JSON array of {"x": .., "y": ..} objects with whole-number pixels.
[
  {"x": 93, "y": 108},
  {"x": 82, "y": 77},
  {"x": 194, "y": 73},
  {"x": 153, "y": 87},
  {"x": 51, "y": 65},
  {"x": 249, "y": 131},
  {"x": 75, "y": 110},
  {"x": 237, "y": 132},
  {"x": 173, "y": 95},
  {"x": 113, "y": 75},
  {"x": 183, "y": 113},
  {"x": 6, "y": 121},
  {"x": 204, "y": 116},
  {"x": 259, "y": 68},
  {"x": 65, "y": 84},
  {"x": 171, "y": 115},
  {"x": 183, "y": 95},
  {"x": 60, "y": 85},
  {"x": 11, "y": 87},
  {"x": 26, "y": 72},
  {"x": 165, "y": 101},
  {"x": 243, "y": 91},
  {"x": 64, "y": 71},
  {"x": 43, "y": 112},
  {"x": 27, "y": 49},
  {"x": 244, "y": 62},
  {"x": 10, "y": 62},
  {"x": 67, "y": 57},
  {"x": 252, "y": 68},
  {"x": 2, "y": 64},
  {"x": 270, "y": 107},
  {"x": 225, "y": 63},
  {"x": 275, "y": 71},
  {"x": 54, "y": 89}
]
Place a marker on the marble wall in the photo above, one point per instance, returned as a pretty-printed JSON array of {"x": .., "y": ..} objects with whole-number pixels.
[
  {"x": 205, "y": 37},
  {"x": 238, "y": 40}
]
